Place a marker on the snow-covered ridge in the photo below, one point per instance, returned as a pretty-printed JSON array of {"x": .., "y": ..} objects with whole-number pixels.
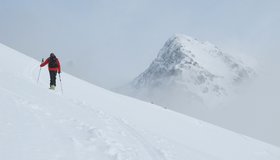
[
  {"x": 88, "y": 122},
  {"x": 194, "y": 68}
]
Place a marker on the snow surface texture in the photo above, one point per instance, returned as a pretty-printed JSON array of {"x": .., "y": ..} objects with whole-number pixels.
[
  {"x": 88, "y": 122},
  {"x": 187, "y": 71}
]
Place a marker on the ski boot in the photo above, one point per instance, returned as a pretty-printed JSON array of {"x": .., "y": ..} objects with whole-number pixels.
[{"x": 52, "y": 87}]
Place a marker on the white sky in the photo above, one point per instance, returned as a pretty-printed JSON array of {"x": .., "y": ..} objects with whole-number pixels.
[{"x": 109, "y": 42}]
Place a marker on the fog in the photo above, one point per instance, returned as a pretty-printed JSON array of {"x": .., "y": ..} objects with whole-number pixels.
[
  {"x": 253, "y": 110},
  {"x": 108, "y": 43},
  {"x": 256, "y": 109}
]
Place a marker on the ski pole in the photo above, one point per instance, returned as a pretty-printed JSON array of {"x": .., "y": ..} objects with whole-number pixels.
[
  {"x": 60, "y": 83},
  {"x": 40, "y": 71}
]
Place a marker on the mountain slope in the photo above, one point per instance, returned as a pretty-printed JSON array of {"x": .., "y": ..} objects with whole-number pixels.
[
  {"x": 88, "y": 122},
  {"x": 187, "y": 71}
]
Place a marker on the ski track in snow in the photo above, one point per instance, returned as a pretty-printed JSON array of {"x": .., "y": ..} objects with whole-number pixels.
[
  {"x": 156, "y": 148},
  {"x": 101, "y": 139},
  {"x": 113, "y": 139},
  {"x": 124, "y": 130},
  {"x": 94, "y": 140},
  {"x": 156, "y": 153}
]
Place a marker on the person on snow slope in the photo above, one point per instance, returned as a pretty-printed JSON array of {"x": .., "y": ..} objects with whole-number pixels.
[{"x": 54, "y": 68}]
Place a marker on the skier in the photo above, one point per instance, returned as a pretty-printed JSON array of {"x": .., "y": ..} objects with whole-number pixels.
[{"x": 54, "y": 67}]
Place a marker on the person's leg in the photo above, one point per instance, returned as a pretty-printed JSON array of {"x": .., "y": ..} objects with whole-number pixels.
[{"x": 53, "y": 78}]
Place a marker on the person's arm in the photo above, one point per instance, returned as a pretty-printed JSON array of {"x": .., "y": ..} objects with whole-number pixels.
[{"x": 44, "y": 63}]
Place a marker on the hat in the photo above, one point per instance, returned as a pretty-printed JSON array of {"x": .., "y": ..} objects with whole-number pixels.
[{"x": 52, "y": 55}]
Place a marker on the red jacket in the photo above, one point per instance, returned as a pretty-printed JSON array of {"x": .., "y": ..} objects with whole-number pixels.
[{"x": 52, "y": 69}]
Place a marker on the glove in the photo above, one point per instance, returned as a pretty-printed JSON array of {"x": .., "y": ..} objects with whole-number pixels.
[{"x": 42, "y": 62}]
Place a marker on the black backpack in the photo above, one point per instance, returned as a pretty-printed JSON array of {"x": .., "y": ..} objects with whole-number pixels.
[{"x": 53, "y": 62}]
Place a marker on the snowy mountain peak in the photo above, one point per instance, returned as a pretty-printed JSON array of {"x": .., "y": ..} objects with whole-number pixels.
[{"x": 192, "y": 68}]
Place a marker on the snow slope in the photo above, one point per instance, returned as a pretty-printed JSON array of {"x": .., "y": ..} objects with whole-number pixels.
[{"x": 88, "y": 122}]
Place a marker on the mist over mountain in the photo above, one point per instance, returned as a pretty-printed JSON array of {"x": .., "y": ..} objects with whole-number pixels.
[
  {"x": 188, "y": 73},
  {"x": 198, "y": 79}
]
